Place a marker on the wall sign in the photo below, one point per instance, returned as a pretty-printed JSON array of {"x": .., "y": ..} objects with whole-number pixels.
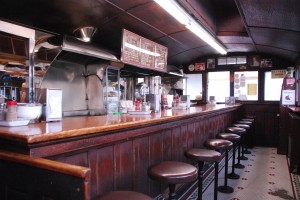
[
  {"x": 141, "y": 52},
  {"x": 200, "y": 66},
  {"x": 278, "y": 73},
  {"x": 288, "y": 97}
]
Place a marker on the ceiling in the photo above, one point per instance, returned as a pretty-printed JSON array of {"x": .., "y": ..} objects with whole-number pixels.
[{"x": 267, "y": 27}]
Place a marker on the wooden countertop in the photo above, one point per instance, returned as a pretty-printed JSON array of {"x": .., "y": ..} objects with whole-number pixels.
[
  {"x": 83, "y": 125},
  {"x": 294, "y": 109}
]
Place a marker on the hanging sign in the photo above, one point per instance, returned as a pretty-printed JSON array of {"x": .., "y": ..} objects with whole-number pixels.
[
  {"x": 142, "y": 52},
  {"x": 288, "y": 97}
]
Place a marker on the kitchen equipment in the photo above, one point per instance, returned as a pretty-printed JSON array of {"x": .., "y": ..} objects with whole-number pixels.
[
  {"x": 154, "y": 100},
  {"x": 141, "y": 89},
  {"x": 30, "y": 111},
  {"x": 52, "y": 109},
  {"x": 184, "y": 103}
]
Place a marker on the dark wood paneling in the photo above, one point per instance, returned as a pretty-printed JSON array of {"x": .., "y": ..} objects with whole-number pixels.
[
  {"x": 141, "y": 157},
  {"x": 104, "y": 172},
  {"x": 28, "y": 178},
  {"x": 123, "y": 165},
  {"x": 266, "y": 132}
]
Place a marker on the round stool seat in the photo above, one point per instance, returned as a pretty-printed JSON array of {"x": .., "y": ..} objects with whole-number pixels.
[
  {"x": 247, "y": 119},
  {"x": 237, "y": 130},
  {"x": 244, "y": 122},
  {"x": 124, "y": 195},
  {"x": 250, "y": 116},
  {"x": 216, "y": 144},
  {"x": 229, "y": 136},
  {"x": 203, "y": 155},
  {"x": 245, "y": 126},
  {"x": 173, "y": 172}
]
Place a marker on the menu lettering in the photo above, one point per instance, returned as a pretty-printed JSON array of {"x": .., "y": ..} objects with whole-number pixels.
[{"x": 142, "y": 52}]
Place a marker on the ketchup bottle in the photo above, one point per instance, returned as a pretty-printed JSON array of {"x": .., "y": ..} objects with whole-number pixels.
[{"x": 11, "y": 114}]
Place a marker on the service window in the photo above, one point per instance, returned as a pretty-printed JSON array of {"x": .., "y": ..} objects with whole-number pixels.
[
  {"x": 246, "y": 85},
  {"x": 218, "y": 85},
  {"x": 194, "y": 86},
  {"x": 272, "y": 87}
]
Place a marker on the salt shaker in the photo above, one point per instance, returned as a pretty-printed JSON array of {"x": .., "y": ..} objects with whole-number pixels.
[{"x": 11, "y": 113}]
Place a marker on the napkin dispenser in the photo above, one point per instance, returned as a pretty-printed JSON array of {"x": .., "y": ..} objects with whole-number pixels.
[{"x": 52, "y": 109}]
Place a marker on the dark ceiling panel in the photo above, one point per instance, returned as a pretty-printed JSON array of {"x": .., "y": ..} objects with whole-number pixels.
[
  {"x": 235, "y": 39},
  {"x": 155, "y": 16},
  {"x": 190, "y": 56},
  {"x": 237, "y": 47},
  {"x": 271, "y": 25},
  {"x": 280, "y": 39},
  {"x": 280, "y": 14},
  {"x": 288, "y": 55},
  {"x": 128, "y": 4}
]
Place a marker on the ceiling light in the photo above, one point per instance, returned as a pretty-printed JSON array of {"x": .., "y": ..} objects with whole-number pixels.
[{"x": 174, "y": 9}]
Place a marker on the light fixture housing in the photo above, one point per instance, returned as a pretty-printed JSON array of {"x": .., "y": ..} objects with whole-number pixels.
[{"x": 174, "y": 9}]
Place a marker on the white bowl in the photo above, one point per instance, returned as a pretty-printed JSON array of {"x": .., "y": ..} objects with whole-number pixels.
[{"x": 29, "y": 111}]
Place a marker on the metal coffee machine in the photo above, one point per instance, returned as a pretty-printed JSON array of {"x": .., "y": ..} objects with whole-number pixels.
[{"x": 154, "y": 100}]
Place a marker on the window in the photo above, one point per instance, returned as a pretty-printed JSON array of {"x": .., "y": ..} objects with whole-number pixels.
[
  {"x": 218, "y": 85},
  {"x": 232, "y": 60},
  {"x": 246, "y": 85},
  {"x": 194, "y": 86},
  {"x": 272, "y": 87}
]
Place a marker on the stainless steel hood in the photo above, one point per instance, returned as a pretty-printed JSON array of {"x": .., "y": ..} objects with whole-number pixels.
[
  {"x": 57, "y": 50},
  {"x": 71, "y": 49}
]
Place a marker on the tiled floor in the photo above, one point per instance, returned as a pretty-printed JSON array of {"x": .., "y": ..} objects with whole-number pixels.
[{"x": 265, "y": 177}]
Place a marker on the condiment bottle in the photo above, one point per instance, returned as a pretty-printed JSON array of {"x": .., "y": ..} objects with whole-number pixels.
[{"x": 11, "y": 113}]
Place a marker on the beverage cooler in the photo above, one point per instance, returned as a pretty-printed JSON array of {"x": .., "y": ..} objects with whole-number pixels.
[{"x": 111, "y": 89}]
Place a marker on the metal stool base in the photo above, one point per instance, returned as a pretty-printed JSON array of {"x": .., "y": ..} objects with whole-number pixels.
[
  {"x": 225, "y": 189},
  {"x": 233, "y": 176},
  {"x": 239, "y": 166},
  {"x": 247, "y": 152},
  {"x": 243, "y": 158}
]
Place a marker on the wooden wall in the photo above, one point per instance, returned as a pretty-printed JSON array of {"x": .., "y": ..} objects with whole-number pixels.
[
  {"x": 121, "y": 164},
  {"x": 266, "y": 131}
]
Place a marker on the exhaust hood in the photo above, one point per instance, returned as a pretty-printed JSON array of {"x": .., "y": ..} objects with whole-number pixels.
[
  {"x": 58, "y": 50},
  {"x": 72, "y": 49}
]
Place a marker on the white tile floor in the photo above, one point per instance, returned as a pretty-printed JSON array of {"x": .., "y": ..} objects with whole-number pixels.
[{"x": 265, "y": 177}]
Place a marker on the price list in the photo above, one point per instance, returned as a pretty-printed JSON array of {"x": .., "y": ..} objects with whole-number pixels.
[
  {"x": 131, "y": 48},
  {"x": 142, "y": 52},
  {"x": 161, "y": 58}
]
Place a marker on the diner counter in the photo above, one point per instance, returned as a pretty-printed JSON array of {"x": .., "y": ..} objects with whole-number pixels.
[
  {"x": 78, "y": 126},
  {"x": 294, "y": 109}
]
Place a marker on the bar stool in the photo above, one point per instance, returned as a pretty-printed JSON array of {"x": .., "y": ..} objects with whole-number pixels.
[
  {"x": 240, "y": 132},
  {"x": 244, "y": 148},
  {"x": 124, "y": 195},
  {"x": 173, "y": 172},
  {"x": 221, "y": 145},
  {"x": 247, "y": 127},
  {"x": 234, "y": 138},
  {"x": 249, "y": 143},
  {"x": 202, "y": 156}
]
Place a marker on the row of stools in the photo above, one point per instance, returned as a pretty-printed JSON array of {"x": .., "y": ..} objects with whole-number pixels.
[{"x": 173, "y": 172}]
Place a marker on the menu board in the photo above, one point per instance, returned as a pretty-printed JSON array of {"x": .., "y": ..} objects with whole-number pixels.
[{"x": 142, "y": 52}]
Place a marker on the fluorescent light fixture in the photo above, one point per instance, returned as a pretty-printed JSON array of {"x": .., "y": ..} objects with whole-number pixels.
[{"x": 174, "y": 9}]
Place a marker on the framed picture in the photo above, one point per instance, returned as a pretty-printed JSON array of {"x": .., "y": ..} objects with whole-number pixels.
[
  {"x": 265, "y": 63},
  {"x": 254, "y": 61},
  {"x": 200, "y": 66},
  {"x": 211, "y": 63}
]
